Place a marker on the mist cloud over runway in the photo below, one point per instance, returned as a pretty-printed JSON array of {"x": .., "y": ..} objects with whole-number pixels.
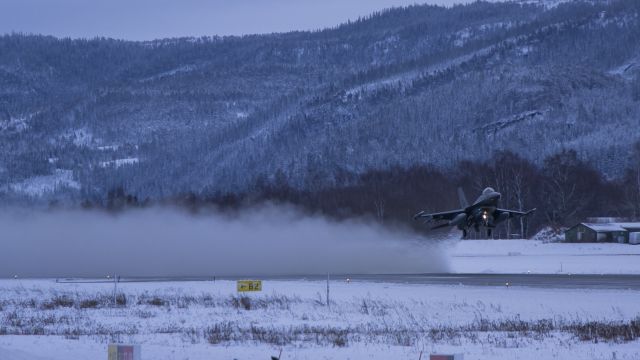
[{"x": 162, "y": 242}]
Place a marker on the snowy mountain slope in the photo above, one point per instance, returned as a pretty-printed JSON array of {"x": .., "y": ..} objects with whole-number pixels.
[{"x": 394, "y": 88}]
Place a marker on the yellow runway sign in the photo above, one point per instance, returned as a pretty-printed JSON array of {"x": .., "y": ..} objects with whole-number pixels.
[{"x": 249, "y": 285}]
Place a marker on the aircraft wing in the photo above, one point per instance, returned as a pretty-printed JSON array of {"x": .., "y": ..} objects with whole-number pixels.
[
  {"x": 445, "y": 215},
  {"x": 514, "y": 213}
]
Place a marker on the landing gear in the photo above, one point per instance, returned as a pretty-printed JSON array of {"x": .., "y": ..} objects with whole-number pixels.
[
  {"x": 488, "y": 233},
  {"x": 464, "y": 233}
]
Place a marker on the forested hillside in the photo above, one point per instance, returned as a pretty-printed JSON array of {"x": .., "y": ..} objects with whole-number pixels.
[{"x": 422, "y": 86}]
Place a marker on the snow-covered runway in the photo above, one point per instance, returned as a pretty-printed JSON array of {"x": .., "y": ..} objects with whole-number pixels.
[
  {"x": 531, "y": 256},
  {"x": 576, "y": 281}
]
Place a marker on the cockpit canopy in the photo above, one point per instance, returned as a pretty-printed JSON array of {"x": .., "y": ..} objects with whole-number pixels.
[{"x": 488, "y": 191}]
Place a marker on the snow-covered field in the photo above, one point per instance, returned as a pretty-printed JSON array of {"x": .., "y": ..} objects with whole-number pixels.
[
  {"x": 42, "y": 319},
  {"x": 537, "y": 257},
  {"x": 47, "y": 320}
]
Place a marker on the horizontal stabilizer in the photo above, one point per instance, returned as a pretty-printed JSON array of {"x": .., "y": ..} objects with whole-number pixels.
[{"x": 514, "y": 213}]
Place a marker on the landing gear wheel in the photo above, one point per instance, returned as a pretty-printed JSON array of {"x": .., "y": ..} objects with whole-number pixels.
[
  {"x": 464, "y": 233},
  {"x": 489, "y": 233}
]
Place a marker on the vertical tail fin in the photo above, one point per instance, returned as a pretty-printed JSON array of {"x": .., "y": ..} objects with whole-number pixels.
[{"x": 463, "y": 199}]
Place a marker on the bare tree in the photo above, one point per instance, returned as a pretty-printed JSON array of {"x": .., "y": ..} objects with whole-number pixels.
[{"x": 631, "y": 184}]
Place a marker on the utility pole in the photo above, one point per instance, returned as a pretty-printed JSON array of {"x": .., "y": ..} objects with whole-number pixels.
[
  {"x": 328, "y": 302},
  {"x": 115, "y": 290}
]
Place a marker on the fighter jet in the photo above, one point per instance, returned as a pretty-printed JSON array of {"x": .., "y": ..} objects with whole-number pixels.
[{"x": 484, "y": 212}]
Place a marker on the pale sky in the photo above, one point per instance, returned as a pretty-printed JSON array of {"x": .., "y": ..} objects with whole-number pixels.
[{"x": 153, "y": 19}]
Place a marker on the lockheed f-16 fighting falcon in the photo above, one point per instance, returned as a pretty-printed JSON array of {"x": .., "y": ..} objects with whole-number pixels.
[{"x": 484, "y": 212}]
